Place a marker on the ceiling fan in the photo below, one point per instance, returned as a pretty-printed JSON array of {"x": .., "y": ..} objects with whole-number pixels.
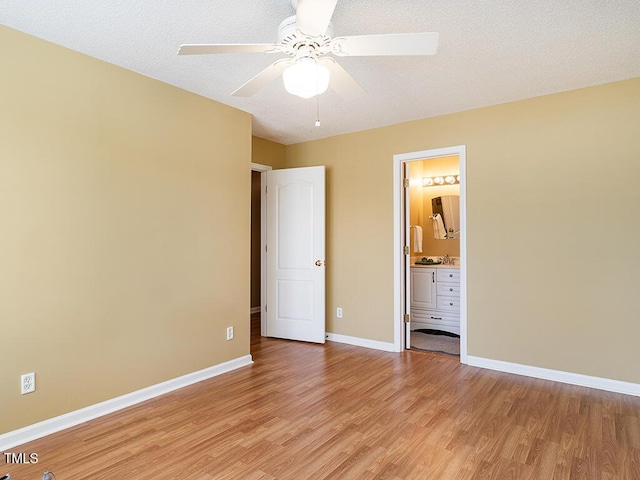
[{"x": 307, "y": 40}]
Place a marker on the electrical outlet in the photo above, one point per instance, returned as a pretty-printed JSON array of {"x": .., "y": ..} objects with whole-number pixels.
[
  {"x": 339, "y": 312},
  {"x": 229, "y": 333},
  {"x": 28, "y": 383}
]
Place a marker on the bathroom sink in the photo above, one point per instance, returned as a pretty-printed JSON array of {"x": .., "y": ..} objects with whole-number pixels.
[{"x": 427, "y": 262}]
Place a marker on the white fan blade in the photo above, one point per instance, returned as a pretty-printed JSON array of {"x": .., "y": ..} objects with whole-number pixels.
[
  {"x": 267, "y": 75},
  {"x": 340, "y": 81},
  {"x": 387, "y": 44},
  {"x": 221, "y": 48},
  {"x": 313, "y": 16}
]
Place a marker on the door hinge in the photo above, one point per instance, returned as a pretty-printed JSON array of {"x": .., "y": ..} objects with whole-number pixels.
[
  {"x": 406, "y": 318},
  {"x": 265, "y": 308},
  {"x": 405, "y": 182},
  {"x": 405, "y": 249}
]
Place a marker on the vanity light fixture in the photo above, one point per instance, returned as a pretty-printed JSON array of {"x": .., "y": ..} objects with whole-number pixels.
[{"x": 443, "y": 180}]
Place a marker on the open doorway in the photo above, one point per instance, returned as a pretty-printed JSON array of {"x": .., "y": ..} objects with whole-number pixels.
[
  {"x": 256, "y": 184},
  {"x": 433, "y": 215},
  {"x": 292, "y": 270},
  {"x": 258, "y": 242},
  {"x": 406, "y": 252}
]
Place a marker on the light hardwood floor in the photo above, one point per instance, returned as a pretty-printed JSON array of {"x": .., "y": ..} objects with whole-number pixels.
[{"x": 306, "y": 411}]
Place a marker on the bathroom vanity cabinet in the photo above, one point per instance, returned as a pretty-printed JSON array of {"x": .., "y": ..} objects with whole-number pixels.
[{"x": 435, "y": 298}]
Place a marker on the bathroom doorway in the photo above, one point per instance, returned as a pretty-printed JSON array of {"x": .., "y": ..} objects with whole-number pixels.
[
  {"x": 432, "y": 176},
  {"x": 433, "y": 215}
]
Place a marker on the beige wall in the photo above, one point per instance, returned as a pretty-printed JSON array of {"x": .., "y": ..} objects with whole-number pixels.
[
  {"x": 266, "y": 152},
  {"x": 553, "y": 227},
  {"x": 123, "y": 205}
]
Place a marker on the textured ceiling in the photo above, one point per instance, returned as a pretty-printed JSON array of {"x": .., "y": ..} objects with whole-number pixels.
[{"x": 489, "y": 52}]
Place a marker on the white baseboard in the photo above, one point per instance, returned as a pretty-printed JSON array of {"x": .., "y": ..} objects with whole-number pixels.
[
  {"x": 37, "y": 430},
  {"x": 361, "y": 342},
  {"x": 255, "y": 310},
  {"x": 607, "y": 384}
]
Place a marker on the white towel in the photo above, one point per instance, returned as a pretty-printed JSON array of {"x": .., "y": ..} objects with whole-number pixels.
[
  {"x": 439, "y": 231},
  {"x": 417, "y": 238}
]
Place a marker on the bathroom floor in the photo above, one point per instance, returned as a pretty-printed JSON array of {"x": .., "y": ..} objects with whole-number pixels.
[{"x": 436, "y": 341}]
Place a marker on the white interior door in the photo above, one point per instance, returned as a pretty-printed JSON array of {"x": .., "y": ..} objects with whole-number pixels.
[
  {"x": 296, "y": 254},
  {"x": 406, "y": 204}
]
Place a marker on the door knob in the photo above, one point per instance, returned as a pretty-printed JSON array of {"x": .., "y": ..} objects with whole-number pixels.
[{"x": 319, "y": 263}]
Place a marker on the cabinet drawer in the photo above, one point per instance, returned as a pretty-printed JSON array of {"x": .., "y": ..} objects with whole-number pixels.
[
  {"x": 448, "y": 275},
  {"x": 430, "y": 316},
  {"x": 448, "y": 303},
  {"x": 448, "y": 322},
  {"x": 449, "y": 289}
]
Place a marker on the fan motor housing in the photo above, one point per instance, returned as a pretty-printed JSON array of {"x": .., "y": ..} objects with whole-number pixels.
[{"x": 292, "y": 39}]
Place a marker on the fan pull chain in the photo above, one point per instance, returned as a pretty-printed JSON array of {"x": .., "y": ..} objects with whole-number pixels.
[
  {"x": 317, "y": 111},
  {"x": 317, "y": 104}
]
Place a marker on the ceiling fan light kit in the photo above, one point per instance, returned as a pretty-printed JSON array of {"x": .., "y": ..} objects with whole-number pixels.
[
  {"x": 306, "y": 78},
  {"x": 307, "y": 39}
]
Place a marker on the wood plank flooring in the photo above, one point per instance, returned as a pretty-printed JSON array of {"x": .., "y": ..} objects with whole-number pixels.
[{"x": 306, "y": 411}]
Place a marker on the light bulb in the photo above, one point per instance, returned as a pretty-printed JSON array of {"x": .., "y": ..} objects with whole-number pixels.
[
  {"x": 439, "y": 180},
  {"x": 306, "y": 78},
  {"x": 427, "y": 181},
  {"x": 450, "y": 179}
]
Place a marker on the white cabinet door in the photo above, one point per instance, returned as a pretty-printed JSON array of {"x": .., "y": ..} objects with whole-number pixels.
[
  {"x": 295, "y": 254},
  {"x": 423, "y": 287}
]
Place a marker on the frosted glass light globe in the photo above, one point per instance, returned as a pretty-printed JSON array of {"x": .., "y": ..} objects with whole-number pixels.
[{"x": 306, "y": 78}]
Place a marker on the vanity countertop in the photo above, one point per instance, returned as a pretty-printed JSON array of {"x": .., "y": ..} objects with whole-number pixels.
[
  {"x": 439, "y": 265},
  {"x": 455, "y": 262}
]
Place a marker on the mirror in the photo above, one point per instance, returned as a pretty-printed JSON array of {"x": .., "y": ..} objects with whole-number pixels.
[{"x": 446, "y": 217}]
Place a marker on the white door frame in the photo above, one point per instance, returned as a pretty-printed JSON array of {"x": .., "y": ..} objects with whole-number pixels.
[
  {"x": 398, "y": 257},
  {"x": 263, "y": 169}
]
